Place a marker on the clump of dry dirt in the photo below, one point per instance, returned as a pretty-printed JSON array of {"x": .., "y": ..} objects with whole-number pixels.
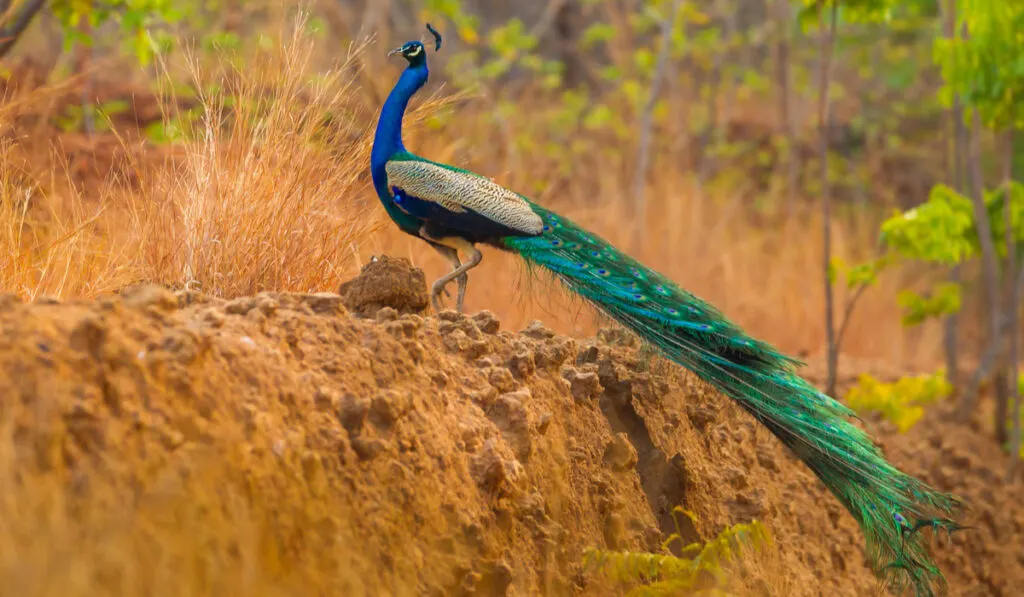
[
  {"x": 386, "y": 282},
  {"x": 165, "y": 443}
]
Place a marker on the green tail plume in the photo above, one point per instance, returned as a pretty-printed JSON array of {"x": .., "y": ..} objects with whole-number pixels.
[{"x": 890, "y": 506}]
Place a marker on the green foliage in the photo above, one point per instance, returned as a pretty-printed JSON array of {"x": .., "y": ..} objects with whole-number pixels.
[
  {"x": 666, "y": 574},
  {"x": 150, "y": 28},
  {"x": 74, "y": 115},
  {"x": 944, "y": 299},
  {"x": 995, "y": 202},
  {"x": 176, "y": 128},
  {"x": 861, "y": 274},
  {"x": 136, "y": 20},
  {"x": 849, "y": 11},
  {"x": 985, "y": 66},
  {"x": 940, "y": 230},
  {"x": 221, "y": 41},
  {"x": 506, "y": 47},
  {"x": 1020, "y": 392},
  {"x": 901, "y": 402},
  {"x": 596, "y": 34},
  {"x": 466, "y": 25}
]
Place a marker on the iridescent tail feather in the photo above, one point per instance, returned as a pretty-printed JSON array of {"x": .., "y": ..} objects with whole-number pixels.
[{"x": 891, "y": 507}]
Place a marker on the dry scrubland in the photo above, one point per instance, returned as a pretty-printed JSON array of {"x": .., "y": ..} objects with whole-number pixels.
[
  {"x": 200, "y": 438},
  {"x": 271, "y": 195}
]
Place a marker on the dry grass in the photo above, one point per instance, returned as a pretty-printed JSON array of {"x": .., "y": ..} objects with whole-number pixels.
[
  {"x": 52, "y": 245},
  {"x": 268, "y": 194}
]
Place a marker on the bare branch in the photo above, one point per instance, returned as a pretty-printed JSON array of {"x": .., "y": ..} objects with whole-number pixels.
[
  {"x": 848, "y": 312},
  {"x": 9, "y": 34}
]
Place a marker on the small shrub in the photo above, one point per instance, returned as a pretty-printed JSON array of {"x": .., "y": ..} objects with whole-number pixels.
[
  {"x": 700, "y": 569},
  {"x": 902, "y": 401}
]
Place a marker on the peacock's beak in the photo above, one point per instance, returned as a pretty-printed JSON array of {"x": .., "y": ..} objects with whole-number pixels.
[{"x": 395, "y": 51}]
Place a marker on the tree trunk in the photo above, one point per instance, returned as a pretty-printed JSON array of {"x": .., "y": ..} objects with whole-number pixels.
[
  {"x": 990, "y": 270},
  {"x": 647, "y": 124},
  {"x": 1016, "y": 439},
  {"x": 1013, "y": 333},
  {"x": 958, "y": 131},
  {"x": 15, "y": 25},
  {"x": 1003, "y": 382},
  {"x": 233, "y": 16},
  {"x": 83, "y": 67},
  {"x": 783, "y": 91},
  {"x": 827, "y": 43},
  {"x": 568, "y": 24},
  {"x": 732, "y": 33},
  {"x": 1001, "y": 415},
  {"x": 707, "y": 135},
  {"x": 950, "y": 338}
]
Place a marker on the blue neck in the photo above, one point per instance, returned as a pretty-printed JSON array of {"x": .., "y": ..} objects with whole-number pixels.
[{"x": 388, "y": 139}]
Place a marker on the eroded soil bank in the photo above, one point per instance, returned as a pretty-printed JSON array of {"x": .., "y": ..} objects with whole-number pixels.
[{"x": 165, "y": 443}]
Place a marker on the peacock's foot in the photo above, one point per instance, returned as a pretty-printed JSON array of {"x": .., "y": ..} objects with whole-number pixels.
[
  {"x": 435, "y": 295},
  {"x": 438, "y": 289}
]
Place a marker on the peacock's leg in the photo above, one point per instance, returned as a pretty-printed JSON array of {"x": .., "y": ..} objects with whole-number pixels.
[
  {"x": 453, "y": 257},
  {"x": 455, "y": 243},
  {"x": 459, "y": 273}
]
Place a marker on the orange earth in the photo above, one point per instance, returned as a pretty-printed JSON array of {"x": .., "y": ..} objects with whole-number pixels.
[{"x": 161, "y": 443}]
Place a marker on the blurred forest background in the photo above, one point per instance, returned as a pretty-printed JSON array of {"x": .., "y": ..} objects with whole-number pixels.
[{"x": 838, "y": 177}]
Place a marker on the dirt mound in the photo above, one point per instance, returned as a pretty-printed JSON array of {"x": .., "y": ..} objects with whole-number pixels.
[
  {"x": 167, "y": 443},
  {"x": 989, "y": 558}
]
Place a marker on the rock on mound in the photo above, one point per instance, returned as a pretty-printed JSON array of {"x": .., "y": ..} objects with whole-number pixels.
[{"x": 158, "y": 443}]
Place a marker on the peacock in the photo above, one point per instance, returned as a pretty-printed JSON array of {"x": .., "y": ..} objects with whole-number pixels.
[{"x": 453, "y": 210}]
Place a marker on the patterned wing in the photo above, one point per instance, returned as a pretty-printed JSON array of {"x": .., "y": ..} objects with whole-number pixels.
[{"x": 459, "y": 191}]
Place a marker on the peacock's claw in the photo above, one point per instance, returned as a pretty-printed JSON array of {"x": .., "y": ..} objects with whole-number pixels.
[{"x": 435, "y": 293}]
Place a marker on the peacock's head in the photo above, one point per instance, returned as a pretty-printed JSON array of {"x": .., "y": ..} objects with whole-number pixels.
[{"x": 414, "y": 51}]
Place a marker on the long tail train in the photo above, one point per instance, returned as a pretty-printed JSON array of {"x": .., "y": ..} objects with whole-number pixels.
[{"x": 890, "y": 506}]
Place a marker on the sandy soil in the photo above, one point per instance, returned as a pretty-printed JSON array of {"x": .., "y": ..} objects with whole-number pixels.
[{"x": 166, "y": 443}]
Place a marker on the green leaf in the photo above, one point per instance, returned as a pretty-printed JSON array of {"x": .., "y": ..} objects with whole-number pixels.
[
  {"x": 901, "y": 402},
  {"x": 835, "y": 265},
  {"x": 595, "y": 34},
  {"x": 944, "y": 299},
  {"x": 937, "y": 231}
]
